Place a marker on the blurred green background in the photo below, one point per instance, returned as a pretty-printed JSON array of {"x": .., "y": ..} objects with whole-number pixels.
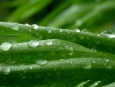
[{"x": 93, "y": 15}]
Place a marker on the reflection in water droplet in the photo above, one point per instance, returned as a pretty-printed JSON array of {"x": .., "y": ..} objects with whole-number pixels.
[
  {"x": 14, "y": 27},
  {"x": 33, "y": 43},
  {"x": 35, "y": 26},
  {"x": 86, "y": 65},
  {"x": 41, "y": 62},
  {"x": 48, "y": 42},
  {"x": 6, "y": 46},
  {"x": 6, "y": 70}
]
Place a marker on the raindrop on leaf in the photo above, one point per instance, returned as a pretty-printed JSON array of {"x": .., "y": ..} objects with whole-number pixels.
[
  {"x": 35, "y": 26},
  {"x": 41, "y": 62},
  {"x": 33, "y": 43},
  {"x": 6, "y": 46}
]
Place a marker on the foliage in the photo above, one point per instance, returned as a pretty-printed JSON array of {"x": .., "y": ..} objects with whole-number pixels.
[{"x": 61, "y": 51}]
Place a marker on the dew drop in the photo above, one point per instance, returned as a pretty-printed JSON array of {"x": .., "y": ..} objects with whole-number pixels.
[
  {"x": 48, "y": 42},
  {"x": 93, "y": 61},
  {"x": 39, "y": 36},
  {"x": 41, "y": 62},
  {"x": 30, "y": 67},
  {"x": 107, "y": 60},
  {"x": 33, "y": 43},
  {"x": 6, "y": 70},
  {"x": 49, "y": 31},
  {"x": 85, "y": 30},
  {"x": 10, "y": 61},
  {"x": 76, "y": 30},
  {"x": 108, "y": 34},
  {"x": 27, "y": 24},
  {"x": 35, "y": 26},
  {"x": 6, "y": 46},
  {"x": 14, "y": 27},
  {"x": 70, "y": 50},
  {"x": 86, "y": 65}
]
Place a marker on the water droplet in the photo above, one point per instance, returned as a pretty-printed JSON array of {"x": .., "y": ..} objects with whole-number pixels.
[
  {"x": 10, "y": 61},
  {"x": 27, "y": 24},
  {"x": 6, "y": 46},
  {"x": 70, "y": 50},
  {"x": 84, "y": 30},
  {"x": 41, "y": 62},
  {"x": 61, "y": 59},
  {"x": 14, "y": 27},
  {"x": 108, "y": 34},
  {"x": 93, "y": 61},
  {"x": 39, "y": 36},
  {"x": 33, "y": 43},
  {"x": 30, "y": 67},
  {"x": 60, "y": 30},
  {"x": 49, "y": 31},
  {"x": 6, "y": 70},
  {"x": 107, "y": 60},
  {"x": 48, "y": 42},
  {"x": 76, "y": 30},
  {"x": 86, "y": 65},
  {"x": 35, "y": 26}
]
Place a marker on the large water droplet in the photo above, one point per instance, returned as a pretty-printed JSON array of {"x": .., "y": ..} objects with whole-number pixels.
[
  {"x": 48, "y": 42},
  {"x": 76, "y": 30},
  {"x": 33, "y": 43},
  {"x": 70, "y": 50},
  {"x": 108, "y": 34},
  {"x": 14, "y": 27},
  {"x": 27, "y": 24},
  {"x": 107, "y": 60},
  {"x": 41, "y": 62},
  {"x": 6, "y": 70},
  {"x": 35, "y": 26},
  {"x": 6, "y": 46},
  {"x": 86, "y": 65}
]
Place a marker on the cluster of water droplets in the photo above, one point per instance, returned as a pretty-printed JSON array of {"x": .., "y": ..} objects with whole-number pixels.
[{"x": 5, "y": 46}]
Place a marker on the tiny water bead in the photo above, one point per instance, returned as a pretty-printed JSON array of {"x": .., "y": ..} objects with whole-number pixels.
[
  {"x": 48, "y": 42},
  {"x": 107, "y": 66},
  {"x": 14, "y": 27},
  {"x": 6, "y": 46},
  {"x": 41, "y": 62},
  {"x": 35, "y": 26},
  {"x": 70, "y": 50},
  {"x": 33, "y": 43},
  {"x": 86, "y": 65}
]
